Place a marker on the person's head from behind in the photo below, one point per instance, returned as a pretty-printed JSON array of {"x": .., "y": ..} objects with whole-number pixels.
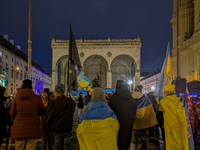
[
  {"x": 27, "y": 84},
  {"x": 121, "y": 84},
  {"x": 98, "y": 94},
  {"x": 59, "y": 90},
  {"x": 138, "y": 88},
  {"x": 170, "y": 89},
  {"x": 80, "y": 94},
  {"x": 45, "y": 92}
]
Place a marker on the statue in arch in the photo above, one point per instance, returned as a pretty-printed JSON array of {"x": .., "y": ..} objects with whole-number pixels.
[{"x": 95, "y": 81}]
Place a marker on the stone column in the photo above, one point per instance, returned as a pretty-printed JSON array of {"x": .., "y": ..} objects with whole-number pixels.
[
  {"x": 109, "y": 78},
  {"x": 137, "y": 77},
  {"x": 54, "y": 79},
  {"x": 62, "y": 77}
]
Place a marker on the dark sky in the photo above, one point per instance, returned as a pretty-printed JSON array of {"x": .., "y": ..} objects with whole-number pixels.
[{"x": 94, "y": 19}]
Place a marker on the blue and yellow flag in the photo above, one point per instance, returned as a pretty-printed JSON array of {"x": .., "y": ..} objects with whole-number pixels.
[
  {"x": 178, "y": 133},
  {"x": 98, "y": 127},
  {"x": 166, "y": 74},
  {"x": 145, "y": 115},
  {"x": 83, "y": 81}
]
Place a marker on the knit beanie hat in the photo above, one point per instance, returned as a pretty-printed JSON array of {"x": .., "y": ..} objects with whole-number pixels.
[
  {"x": 98, "y": 94},
  {"x": 60, "y": 88},
  {"x": 27, "y": 84},
  {"x": 138, "y": 88},
  {"x": 46, "y": 90}
]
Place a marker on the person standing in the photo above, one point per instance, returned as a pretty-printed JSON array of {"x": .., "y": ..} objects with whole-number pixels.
[
  {"x": 178, "y": 134},
  {"x": 124, "y": 106},
  {"x": 4, "y": 117},
  {"x": 46, "y": 134},
  {"x": 80, "y": 104},
  {"x": 87, "y": 98},
  {"x": 26, "y": 108},
  {"x": 145, "y": 118},
  {"x": 59, "y": 118}
]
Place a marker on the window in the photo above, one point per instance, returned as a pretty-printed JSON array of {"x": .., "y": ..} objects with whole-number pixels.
[
  {"x": 16, "y": 85},
  {"x": 17, "y": 74},
  {"x": 6, "y": 83},
  {"x": 0, "y": 53},
  {"x": 1, "y": 69},
  {"x": 21, "y": 76},
  {"x": 24, "y": 76},
  {"x": 11, "y": 84},
  {"x": 12, "y": 73},
  {"x": 12, "y": 59},
  {"x": 11, "y": 90},
  {"x": 6, "y": 56}
]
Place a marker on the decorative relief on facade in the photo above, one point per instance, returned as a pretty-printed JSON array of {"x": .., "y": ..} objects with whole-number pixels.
[
  {"x": 81, "y": 54},
  {"x": 109, "y": 54}
]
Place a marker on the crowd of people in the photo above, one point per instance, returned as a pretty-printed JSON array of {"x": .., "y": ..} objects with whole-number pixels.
[{"x": 106, "y": 121}]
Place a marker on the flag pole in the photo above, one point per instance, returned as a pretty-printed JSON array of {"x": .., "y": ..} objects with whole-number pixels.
[{"x": 178, "y": 38}]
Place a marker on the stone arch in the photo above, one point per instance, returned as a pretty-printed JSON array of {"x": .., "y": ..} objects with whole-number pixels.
[
  {"x": 60, "y": 74},
  {"x": 94, "y": 66},
  {"x": 123, "y": 67}
]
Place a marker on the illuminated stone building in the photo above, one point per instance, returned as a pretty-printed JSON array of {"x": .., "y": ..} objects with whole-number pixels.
[
  {"x": 109, "y": 59},
  {"x": 190, "y": 39},
  {"x": 13, "y": 62}
]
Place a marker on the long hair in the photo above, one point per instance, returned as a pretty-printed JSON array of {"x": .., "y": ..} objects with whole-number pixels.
[
  {"x": 88, "y": 96},
  {"x": 57, "y": 95}
]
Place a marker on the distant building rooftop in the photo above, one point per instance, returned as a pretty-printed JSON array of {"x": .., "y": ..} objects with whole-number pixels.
[
  {"x": 6, "y": 44},
  {"x": 152, "y": 74}
]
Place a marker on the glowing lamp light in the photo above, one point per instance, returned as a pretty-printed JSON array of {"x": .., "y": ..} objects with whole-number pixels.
[
  {"x": 152, "y": 88},
  {"x": 130, "y": 82},
  {"x": 17, "y": 68}
]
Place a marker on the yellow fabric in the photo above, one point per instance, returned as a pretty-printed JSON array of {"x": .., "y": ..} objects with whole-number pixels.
[
  {"x": 175, "y": 123},
  {"x": 89, "y": 88},
  {"x": 145, "y": 118},
  {"x": 170, "y": 88},
  {"x": 168, "y": 68},
  {"x": 98, "y": 134},
  {"x": 83, "y": 83}
]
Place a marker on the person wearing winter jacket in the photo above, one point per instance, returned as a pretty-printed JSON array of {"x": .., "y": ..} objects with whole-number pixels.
[
  {"x": 26, "y": 109},
  {"x": 46, "y": 134},
  {"x": 124, "y": 106},
  {"x": 80, "y": 104},
  {"x": 4, "y": 117},
  {"x": 87, "y": 98},
  {"x": 59, "y": 118}
]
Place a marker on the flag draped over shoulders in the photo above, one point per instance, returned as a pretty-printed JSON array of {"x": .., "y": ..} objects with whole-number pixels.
[
  {"x": 145, "y": 115},
  {"x": 98, "y": 127},
  {"x": 176, "y": 124}
]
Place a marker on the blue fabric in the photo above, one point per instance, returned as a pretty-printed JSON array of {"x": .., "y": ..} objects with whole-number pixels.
[
  {"x": 159, "y": 87},
  {"x": 96, "y": 110},
  {"x": 143, "y": 102},
  {"x": 190, "y": 139}
]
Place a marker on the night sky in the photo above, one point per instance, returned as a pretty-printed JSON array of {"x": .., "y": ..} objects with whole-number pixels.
[{"x": 94, "y": 19}]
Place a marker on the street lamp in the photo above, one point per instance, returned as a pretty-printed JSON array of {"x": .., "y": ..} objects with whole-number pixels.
[
  {"x": 130, "y": 82},
  {"x": 17, "y": 68}
]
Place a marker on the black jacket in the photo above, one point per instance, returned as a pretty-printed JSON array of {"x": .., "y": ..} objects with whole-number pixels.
[
  {"x": 59, "y": 115},
  {"x": 124, "y": 106},
  {"x": 80, "y": 102}
]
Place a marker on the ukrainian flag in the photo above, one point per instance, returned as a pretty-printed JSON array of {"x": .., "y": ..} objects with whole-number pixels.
[
  {"x": 98, "y": 127},
  {"x": 83, "y": 81},
  {"x": 145, "y": 115},
  {"x": 166, "y": 74}
]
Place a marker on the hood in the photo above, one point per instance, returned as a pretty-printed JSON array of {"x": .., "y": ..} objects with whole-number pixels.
[
  {"x": 123, "y": 93},
  {"x": 137, "y": 95},
  {"x": 25, "y": 93}
]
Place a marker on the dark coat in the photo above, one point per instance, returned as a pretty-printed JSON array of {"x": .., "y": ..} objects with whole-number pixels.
[
  {"x": 80, "y": 102},
  {"x": 26, "y": 108},
  {"x": 124, "y": 106},
  {"x": 59, "y": 115},
  {"x": 86, "y": 100}
]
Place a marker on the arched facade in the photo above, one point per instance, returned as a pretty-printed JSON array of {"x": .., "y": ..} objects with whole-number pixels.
[{"x": 100, "y": 57}]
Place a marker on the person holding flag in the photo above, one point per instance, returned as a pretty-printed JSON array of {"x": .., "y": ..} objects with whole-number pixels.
[{"x": 178, "y": 135}]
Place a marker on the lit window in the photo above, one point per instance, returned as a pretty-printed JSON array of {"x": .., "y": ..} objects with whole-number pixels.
[{"x": 0, "y": 53}]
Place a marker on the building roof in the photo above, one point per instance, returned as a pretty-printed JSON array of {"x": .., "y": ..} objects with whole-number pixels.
[
  {"x": 158, "y": 70},
  {"x": 6, "y": 44}
]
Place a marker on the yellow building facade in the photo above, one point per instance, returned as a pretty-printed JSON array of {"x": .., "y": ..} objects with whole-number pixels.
[{"x": 190, "y": 39}]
